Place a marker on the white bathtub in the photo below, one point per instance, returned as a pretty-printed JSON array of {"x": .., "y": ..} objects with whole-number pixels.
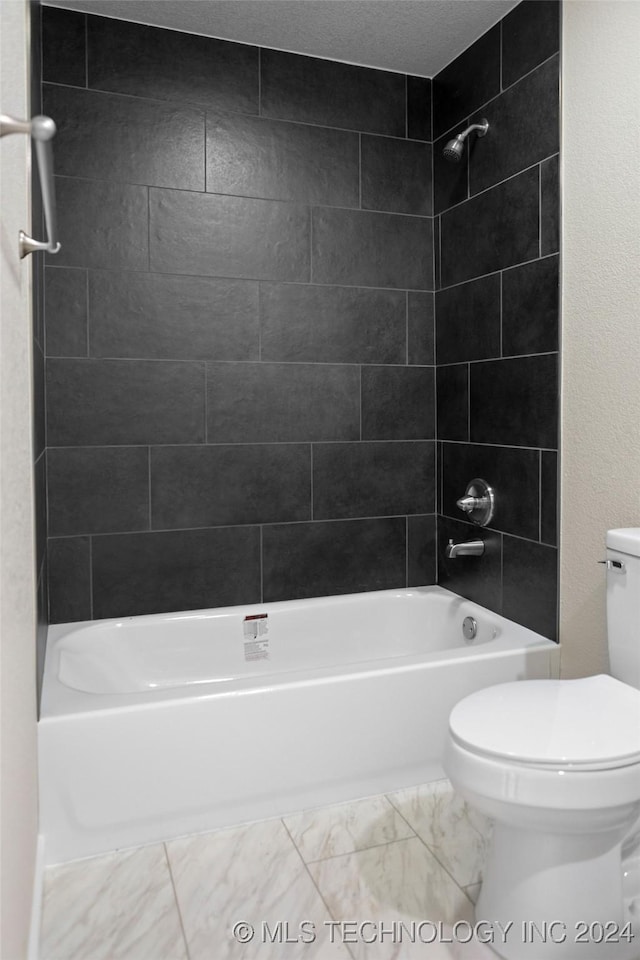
[{"x": 157, "y": 726}]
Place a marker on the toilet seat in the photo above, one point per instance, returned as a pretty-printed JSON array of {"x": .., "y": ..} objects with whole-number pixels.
[{"x": 571, "y": 725}]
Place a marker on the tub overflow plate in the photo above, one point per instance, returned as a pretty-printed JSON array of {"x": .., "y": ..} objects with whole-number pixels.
[{"x": 469, "y": 628}]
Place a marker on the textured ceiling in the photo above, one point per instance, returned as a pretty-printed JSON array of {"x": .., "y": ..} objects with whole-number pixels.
[{"x": 410, "y": 36}]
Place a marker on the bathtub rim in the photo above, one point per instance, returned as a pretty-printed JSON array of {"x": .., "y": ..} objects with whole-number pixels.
[{"x": 61, "y": 701}]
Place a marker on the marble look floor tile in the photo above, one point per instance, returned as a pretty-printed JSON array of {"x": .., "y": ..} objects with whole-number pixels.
[
  {"x": 346, "y": 827},
  {"x": 117, "y": 907},
  {"x": 397, "y": 882},
  {"x": 251, "y": 874},
  {"x": 455, "y": 833}
]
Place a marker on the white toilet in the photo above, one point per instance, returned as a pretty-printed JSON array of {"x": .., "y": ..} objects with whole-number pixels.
[{"x": 556, "y": 765}]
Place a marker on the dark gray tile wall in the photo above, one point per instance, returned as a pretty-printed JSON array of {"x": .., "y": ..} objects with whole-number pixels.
[
  {"x": 496, "y": 301},
  {"x": 264, "y": 257},
  {"x": 240, "y": 325}
]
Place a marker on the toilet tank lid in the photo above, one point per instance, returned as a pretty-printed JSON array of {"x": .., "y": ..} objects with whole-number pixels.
[
  {"x": 626, "y": 539},
  {"x": 590, "y": 721}
]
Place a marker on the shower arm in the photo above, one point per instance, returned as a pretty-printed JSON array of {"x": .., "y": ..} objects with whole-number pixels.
[{"x": 482, "y": 129}]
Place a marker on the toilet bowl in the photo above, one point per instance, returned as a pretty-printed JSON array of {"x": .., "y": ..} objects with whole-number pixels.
[{"x": 556, "y": 765}]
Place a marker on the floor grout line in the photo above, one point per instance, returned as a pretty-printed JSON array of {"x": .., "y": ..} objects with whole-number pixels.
[{"x": 177, "y": 901}]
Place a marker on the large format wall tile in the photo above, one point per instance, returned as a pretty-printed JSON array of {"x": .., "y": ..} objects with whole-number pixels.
[
  {"x": 515, "y": 401},
  {"x": 453, "y": 402},
  {"x": 530, "y": 572},
  {"x": 102, "y": 225},
  {"x": 256, "y": 157},
  {"x": 206, "y": 486},
  {"x": 141, "y": 573},
  {"x": 69, "y": 570},
  {"x": 64, "y": 55},
  {"x": 372, "y": 479},
  {"x": 333, "y": 324},
  {"x": 397, "y": 403},
  {"x": 548, "y": 496},
  {"x": 132, "y": 140},
  {"x": 93, "y": 402},
  {"x": 421, "y": 550},
  {"x": 396, "y": 175},
  {"x": 530, "y": 34},
  {"x": 267, "y": 402},
  {"x": 147, "y": 61},
  {"x": 466, "y": 83},
  {"x": 493, "y": 230},
  {"x": 419, "y": 108},
  {"x": 468, "y": 321},
  {"x": 167, "y": 317},
  {"x": 524, "y": 128},
  {"x": 372, "y": 249},
  {"x": 98, "y": 489},
  {"x": 321, "y": 559},
  {"x": 420, "y": 327},
  {"x": 333, "y": 94},
  {"x": 549, "y": 207},
  {"x": 227, "y": 236},
  {"x": 530, "y": 303},
  {"x": 66, "y": 312}
]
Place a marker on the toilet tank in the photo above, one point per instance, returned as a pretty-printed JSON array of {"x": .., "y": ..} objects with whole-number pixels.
[{"x": 623, "y": 604}]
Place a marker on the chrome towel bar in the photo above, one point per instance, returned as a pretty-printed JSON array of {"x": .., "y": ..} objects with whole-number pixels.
[{"x": 41, "y": 130}]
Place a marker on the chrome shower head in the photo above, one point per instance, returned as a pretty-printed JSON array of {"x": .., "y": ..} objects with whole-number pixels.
[{"x": 454, "y": 149}]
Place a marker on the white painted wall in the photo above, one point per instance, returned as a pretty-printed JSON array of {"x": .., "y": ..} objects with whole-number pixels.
[
  {"x": 600, "y": 450},
  {"x": 18, "y": 767}
]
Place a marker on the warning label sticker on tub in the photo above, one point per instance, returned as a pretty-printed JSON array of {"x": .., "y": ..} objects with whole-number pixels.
[{"x": 256, "y": 636}]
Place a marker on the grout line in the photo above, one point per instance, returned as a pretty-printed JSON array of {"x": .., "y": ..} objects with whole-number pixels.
[
  {"x": 86, "y": 53},
  {"x": 406, "y": 331},
  {"x": 488, "y": 102},
  {"x": 88, "y": 307},
  {"x": 498, "y": 531},
  {"x": 91, "y": 576},
  {"x": 502, "y": 569},
  {"x": 501, "y": 313},
  {"x": 260, "y": 319},
  {"x": 149, "y": 486},
  {"x": 261, "y": 565},
  {"x": 406, "y": 106},
  {"x": 467, "y": 199},
  {"x": 205, "y": 151},
  {"x": 206, "y": 406},
  {"x": 406, "y": 551},
  {"x": 492, "y": 273},
  {"x": 469, "y": 403},
  {"x": 201, "y": 105},
  {"x": 190, "y": 445},
  {"x": 360, "y": 171},
  {"x": 259, "y": 82},
  {"x": 421, "y": 839},
  {"x": 540, "y": 496},
  {"x": 229, "y": 526},
  {"x": 177, "y": 902},
  {"x": 246, "y": 196},
  {"x": 540, "y": 209},
  {"x": 149, "y": 229},
  {"x": 226, "y": 277},
  {"x": 310, "y": 875}
]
